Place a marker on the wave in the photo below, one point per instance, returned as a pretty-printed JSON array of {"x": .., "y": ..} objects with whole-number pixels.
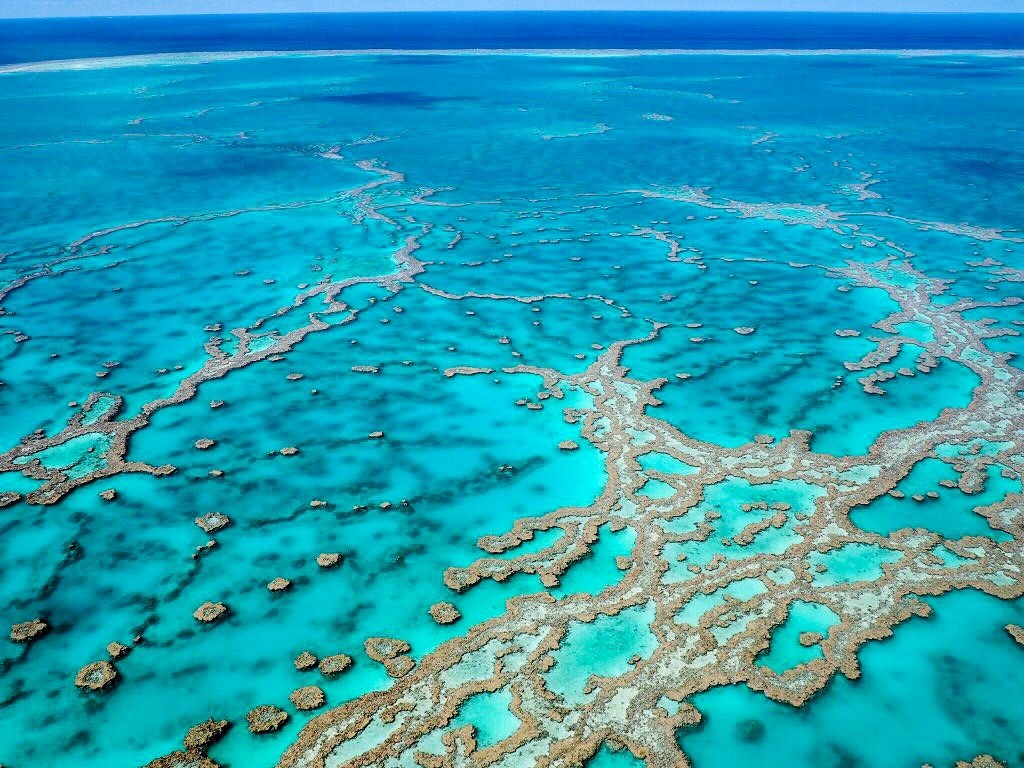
[{"x": 204, "y": 57}]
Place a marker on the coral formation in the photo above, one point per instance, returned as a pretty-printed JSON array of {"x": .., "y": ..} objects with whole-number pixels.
[
  {"x": 304, "y": 661},
  {"x": 308, "y": 697},
  {"x": 210, "y": 612},
  {"x": 334, "y": 665},
  {"x": 29, "y": 631},
  {"x": 444, "y": 613},
  {"x": 266, "y": 718},
  {"x": 97, "y": 676}
]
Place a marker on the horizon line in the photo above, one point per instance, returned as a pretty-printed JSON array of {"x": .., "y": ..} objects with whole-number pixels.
[
  {"x": 709, "y": 12},
  {"x": 193, "y": 58}
]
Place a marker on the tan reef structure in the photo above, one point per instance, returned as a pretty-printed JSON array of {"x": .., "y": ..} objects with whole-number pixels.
[
  {"x": 56, "y": 484},
  {"x": 1016, "y": 632},
  {"x": 305, "y": 661},
  {"x": 118, "y": 650},
  {"x": 279, "y": 584},
  {"x": 266, "y": 718},
  {"x": 513, "y": 652},
  {"x": 392, "y": 653},
  {"x": 328, "y": 559},
  {"x": 308, "y": 697},
  {"x": 212, "y": 522},
  {"x": 97, "y": 676},
  {"x": 444, "y": 613},
  {"x": 209, "y": 612},
  {"x": 197, "y": 742},
  {"x": 331, "y": 666},
  {"x": 29, "y": 631}
]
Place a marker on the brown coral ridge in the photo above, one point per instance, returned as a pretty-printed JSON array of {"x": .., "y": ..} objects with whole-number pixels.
[
  {"x": 981, "y": 761},
  {"x": 212, "y": 522},
  {"x": 97, "y": 676},
  {"x": 201, "y": 737},
  {"x": 308, "y": 697},
  {"x": 266, "y": 718},
  {"x": 515, "y": 650},
  {"x": 385, "y": 648},
  {"x": 328, "y": 559},
  {"x": 117, "y": 650},
  {"x": 807, "y": 639},
  {"x": 198, "y": 740},
  {"x": 9, "y": 498},
  {"x": 209, "y": 612},
  {"x": 305, "y": 661},
  {"x": 29, "y": 631},
  {"x": 184, "y": 759},
  {"x": 392, "y": 653},
  {"x": 330, "y": 666},
  {"x": 1016, "y": 632},
  {"x": 57, "y": 484},
  {"x": 444, "y": 613}
]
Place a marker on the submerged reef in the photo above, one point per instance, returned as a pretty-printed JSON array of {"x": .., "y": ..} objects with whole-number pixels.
[
  {"x": 782, "y": 531},
  {"x": 329, "y": 665},
  {"x": 785, "y": 430},
  {"x": 209, "y": 612},
  {"x": 308, "y": 697},
  {"x": 266, "y": 718},
  {"x": 29, "y": 631},
  {"x": 673, "y": 563},
  {"x": 444, "y": 613},
  {"x": 97, "y": 676}
]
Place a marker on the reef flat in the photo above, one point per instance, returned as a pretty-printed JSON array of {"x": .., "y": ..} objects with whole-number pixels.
[{"x": 512, "y": 410}]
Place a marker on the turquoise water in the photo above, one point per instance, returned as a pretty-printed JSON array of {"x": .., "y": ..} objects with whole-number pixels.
[
  {"x": 162, "y": 204},
  {"x": 933, "y": 694},
  {"x": 786, "y": 651},
  {"x": 949, "y": 511}
]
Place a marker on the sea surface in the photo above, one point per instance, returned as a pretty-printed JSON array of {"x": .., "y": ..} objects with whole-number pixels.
[
  {"x": 692, "y": 380},
  {"x": 77, "y": 38}
]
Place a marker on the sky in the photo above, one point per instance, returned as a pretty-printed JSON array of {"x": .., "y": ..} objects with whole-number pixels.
[{"x": 43, "y": 8}]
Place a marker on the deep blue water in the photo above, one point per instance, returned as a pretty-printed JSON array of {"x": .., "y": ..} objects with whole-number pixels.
[
  {"x": 45, "y": 39},
  {"x": 801, "y": 225}
]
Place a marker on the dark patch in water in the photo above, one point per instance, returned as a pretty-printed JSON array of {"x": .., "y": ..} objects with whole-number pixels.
[
  {"x": 411, "y": 99},
  {"x": 992, "y": 168},
  {"x": 751, "y": 731}
]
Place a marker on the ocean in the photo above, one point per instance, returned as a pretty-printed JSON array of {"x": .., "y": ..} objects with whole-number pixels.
[
  {"x": 77, "y": 38},
  {"x": 512, "y": 389}
]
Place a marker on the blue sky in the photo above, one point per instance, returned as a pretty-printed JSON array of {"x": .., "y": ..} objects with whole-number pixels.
[{"x": 35, "y": 8}]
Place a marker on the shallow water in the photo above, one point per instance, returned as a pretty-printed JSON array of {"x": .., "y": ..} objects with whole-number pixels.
[{"x": 162, "y": 207}]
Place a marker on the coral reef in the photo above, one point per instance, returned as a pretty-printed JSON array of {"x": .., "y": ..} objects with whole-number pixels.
[
  {"x": 335, "y": 665},
  {"x": 308, "y": 697},
  {"x": 444, "y": 613},
  {"x": 266, "y": 718},
  {"x": 97, "y": 676},
  {"x": 209, "y": 612},
  {"x": 29, "y": 631}
]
